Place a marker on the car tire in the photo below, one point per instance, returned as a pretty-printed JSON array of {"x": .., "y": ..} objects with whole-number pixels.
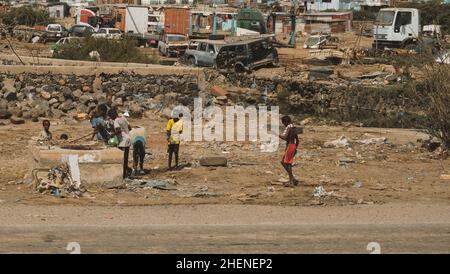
[
  {"x": 239, "y": 68},
  {"x": 191, "y": 61}
]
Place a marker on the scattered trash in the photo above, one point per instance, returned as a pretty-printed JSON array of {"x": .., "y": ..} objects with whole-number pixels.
[
  {"x": 374, "y": 141},
  {"x": 345, "y": 161},
  {"x": 319, "y": 191},
  {"x": 157, "y": 184},
  {"x": 358, "y": 184},
  {"x": 59, "y": 182},
  {"x": 338, "y": 143},
  {"x": 207, "y": 194}
]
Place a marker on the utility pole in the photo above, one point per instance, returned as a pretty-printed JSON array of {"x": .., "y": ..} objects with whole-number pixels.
[{"x": 293, "y": 15}]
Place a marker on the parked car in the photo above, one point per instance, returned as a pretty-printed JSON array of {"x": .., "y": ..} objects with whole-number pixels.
[
  {"x": 202, "y": 52},
  {"x": 247, "y": 55},
  {"x": 64, "y": 41},
  {"x": 81, "y": 30},
  {"x": 54, "y": 32},
  {"x": 172, "y": 45},
  {"x": 108, "y": 33}
]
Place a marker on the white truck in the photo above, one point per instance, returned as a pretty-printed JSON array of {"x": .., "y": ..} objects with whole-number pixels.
[{"x": 396, "y": 28}]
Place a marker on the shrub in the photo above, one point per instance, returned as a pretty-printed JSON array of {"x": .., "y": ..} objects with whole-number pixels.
[
  {"x": 26, "y": 15},
  {"x": 434, "y": 92},
  {"x": 110, "y": 50}
]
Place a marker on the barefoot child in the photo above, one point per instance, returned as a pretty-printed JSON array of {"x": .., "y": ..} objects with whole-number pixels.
[{"x": 290, "y": 135}]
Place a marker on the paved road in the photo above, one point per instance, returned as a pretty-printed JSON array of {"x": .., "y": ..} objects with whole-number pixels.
[{"x": 229, "y": 229}]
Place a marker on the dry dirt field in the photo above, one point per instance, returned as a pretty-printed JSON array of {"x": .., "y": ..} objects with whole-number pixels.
[{"x": 399, "y": 171}]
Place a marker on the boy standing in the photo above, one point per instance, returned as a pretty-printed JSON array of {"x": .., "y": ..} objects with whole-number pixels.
[
  {"x": 290, "y": 135},
  {"x": 45, "y": 135},
  {"x": 174, "y": 129},
  {"x": 122, "y": 131}
]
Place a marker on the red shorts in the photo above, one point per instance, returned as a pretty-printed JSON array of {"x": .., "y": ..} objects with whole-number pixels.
[{"x": 288, "y": 157}]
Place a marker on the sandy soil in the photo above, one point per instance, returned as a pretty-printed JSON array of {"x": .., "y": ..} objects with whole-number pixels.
[{"x": 397, "y": 172}]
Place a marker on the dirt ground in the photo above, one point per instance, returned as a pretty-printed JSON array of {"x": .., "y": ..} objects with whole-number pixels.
[{"x": 366, "y": 174}]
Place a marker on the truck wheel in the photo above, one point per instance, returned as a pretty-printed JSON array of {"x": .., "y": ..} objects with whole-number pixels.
[
  {"x": 191, "y": 61},
  {"x": 239, "y": 68},
  {"x": 411, "y": 47}
]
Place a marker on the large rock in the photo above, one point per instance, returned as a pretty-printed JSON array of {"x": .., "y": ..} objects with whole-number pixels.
[
  {"x": 9, "y": 93},
  {"x": 218, "y": 91},
  {"x": 85, "y": 99},
  {"x": 5, "y": 114},
  {"x": 213, "y": 161},
  {"x": 52, "y": 101},
  {"x": 45, "y": 95},
  {"x": 16, "y": 120},
  {"x": 77, "y": 93},
  {"x": 135, "y": 110},
  {"x": 67, "y": 106},
  {"x": 87, "y": 89},
  {"x": 15, "y": 111},
  {"x": 82, "y": 108},
  {"x": 67, "y": 93}
]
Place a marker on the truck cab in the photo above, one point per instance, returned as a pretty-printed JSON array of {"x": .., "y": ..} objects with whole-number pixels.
[{"x": 396, "y": 28}]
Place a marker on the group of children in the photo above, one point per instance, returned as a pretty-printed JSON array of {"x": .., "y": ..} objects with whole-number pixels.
[
  {"x": 115, "y": 129},
  {"x": 108, "y": 126}
]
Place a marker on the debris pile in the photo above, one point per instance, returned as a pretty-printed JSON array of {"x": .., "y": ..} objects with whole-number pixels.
[{"x": 59, "y": 183}]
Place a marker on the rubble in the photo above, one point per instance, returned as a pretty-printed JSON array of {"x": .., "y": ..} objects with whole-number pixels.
[
  {"x": 135, "y": 93},
  {"x": 156, "y": 184},
  {"x": 341, "y": 142},
  {"x": 374, "y": 141},
  {"x": 320, "y": 192},
  {"x": 59, "y": 182}
]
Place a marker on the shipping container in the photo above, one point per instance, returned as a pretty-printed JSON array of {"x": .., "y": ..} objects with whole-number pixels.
[
  {"x": 176, "y": 20},
  {"x": 132, "y": 19}
]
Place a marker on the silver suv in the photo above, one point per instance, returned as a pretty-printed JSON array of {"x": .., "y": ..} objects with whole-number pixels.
[{"x": 203, "y": 52}]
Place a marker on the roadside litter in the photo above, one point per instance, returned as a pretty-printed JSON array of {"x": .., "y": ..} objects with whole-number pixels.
[
  {"x": 338, "y": 143},
  {"x": 157, "y": 184},
  {"x": 374, "y": 141},
  {"x": 319, "y": 191},
  {"x": 59, "y": 182}
]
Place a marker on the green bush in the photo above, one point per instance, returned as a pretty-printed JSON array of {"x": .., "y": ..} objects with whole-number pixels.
[
  {"x": 26, "y": 15},
  {"x": 110, "y": 50}
]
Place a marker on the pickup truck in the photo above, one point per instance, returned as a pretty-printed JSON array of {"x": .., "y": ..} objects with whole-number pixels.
[{"x": 172, "y": 45}]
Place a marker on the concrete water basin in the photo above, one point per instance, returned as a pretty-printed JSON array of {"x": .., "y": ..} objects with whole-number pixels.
[{"x": 97, "y": 163}]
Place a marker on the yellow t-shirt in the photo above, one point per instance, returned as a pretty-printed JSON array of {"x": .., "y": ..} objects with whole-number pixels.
[{"x": 175, "y": 128}]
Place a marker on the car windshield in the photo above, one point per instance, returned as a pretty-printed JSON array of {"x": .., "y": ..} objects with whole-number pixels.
[
  {"x": 177, "y": 38},
  {"x": 78, "y": 29},
  {"x": 114, "y": 31},
  {"x": 54, "y": 28},
  {"x": 385, "y": 18}
]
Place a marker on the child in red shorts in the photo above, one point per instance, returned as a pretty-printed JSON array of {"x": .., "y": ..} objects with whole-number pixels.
[{"x": 290, "y": 135}]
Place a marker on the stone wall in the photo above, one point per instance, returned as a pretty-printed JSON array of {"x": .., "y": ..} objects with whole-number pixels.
[{"x": 30, "y": 96}]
